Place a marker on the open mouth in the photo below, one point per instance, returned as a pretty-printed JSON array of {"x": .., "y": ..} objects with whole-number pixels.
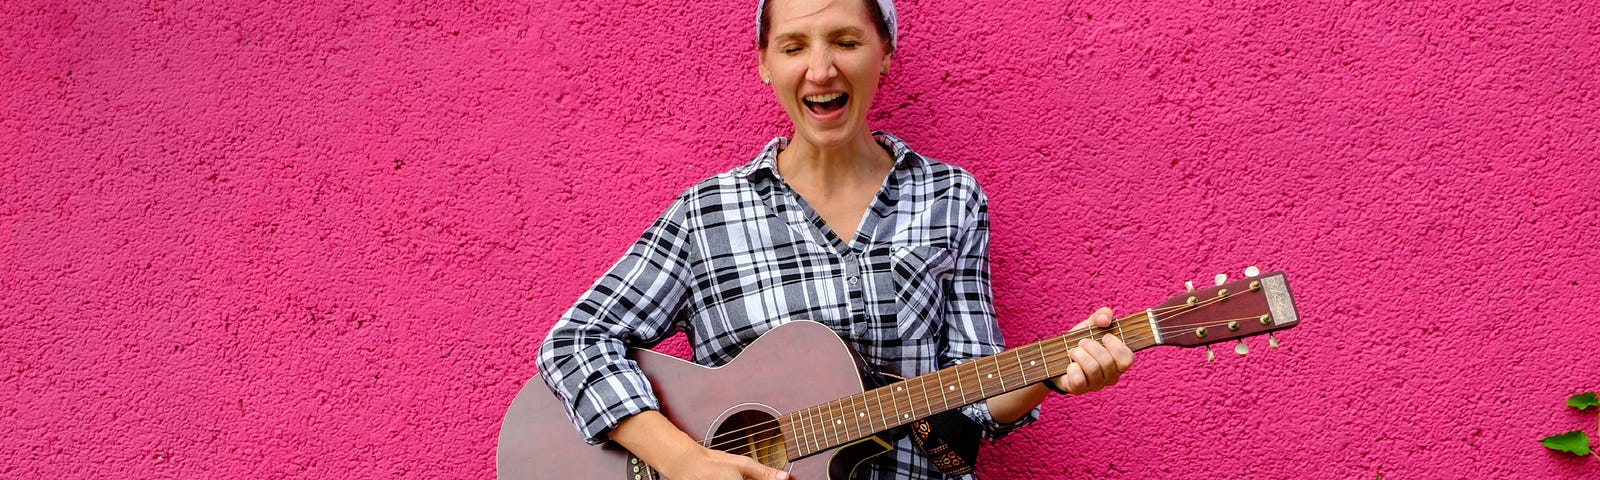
[{"x": 825, "y": 104}]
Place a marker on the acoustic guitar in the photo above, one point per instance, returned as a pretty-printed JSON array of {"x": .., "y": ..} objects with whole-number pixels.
[{"x": 794, "y": 399}]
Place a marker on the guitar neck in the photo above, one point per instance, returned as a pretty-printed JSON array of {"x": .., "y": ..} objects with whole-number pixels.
[{"x": 836, "y": 423}]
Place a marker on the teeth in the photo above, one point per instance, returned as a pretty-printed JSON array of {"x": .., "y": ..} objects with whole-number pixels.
[{"x": 823, "y": 98}]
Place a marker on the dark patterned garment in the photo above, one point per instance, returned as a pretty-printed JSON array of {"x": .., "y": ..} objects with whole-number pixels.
[{"x": 741, "y": 253}]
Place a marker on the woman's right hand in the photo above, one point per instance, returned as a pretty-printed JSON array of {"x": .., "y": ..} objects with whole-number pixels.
[
  {"x": 658, "y": 442},
  {"x": 702, "y": 463}
]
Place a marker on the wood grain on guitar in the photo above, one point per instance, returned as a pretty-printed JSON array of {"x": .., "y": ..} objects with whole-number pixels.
[{"x": 794, "y": 399}]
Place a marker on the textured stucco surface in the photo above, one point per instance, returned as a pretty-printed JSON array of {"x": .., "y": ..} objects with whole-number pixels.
[{"x": 323, "y": 239}]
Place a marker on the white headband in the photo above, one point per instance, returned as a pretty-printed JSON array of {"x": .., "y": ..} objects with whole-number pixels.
[{"x": 884, "y": 6}]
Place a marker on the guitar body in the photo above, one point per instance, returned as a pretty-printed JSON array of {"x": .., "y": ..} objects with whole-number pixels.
[{"x": 794, "y": 366}]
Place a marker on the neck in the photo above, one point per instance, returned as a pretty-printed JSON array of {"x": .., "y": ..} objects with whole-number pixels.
[
  {"x": 835, "y": 423},
  {"x": 860, "y": 159}
]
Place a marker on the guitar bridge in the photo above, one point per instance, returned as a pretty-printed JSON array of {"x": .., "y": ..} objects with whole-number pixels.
[{"x": 638, "y": 470}]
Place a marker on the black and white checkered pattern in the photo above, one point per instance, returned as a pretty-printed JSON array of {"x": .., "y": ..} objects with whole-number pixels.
[{"x": 741, "y": 253}]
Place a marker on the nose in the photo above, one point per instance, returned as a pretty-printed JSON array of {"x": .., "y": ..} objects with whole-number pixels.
[{"x": 819, "y": 68}]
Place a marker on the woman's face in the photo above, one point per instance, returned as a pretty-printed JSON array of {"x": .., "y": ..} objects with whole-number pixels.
[{"x": 824, "y": 58}]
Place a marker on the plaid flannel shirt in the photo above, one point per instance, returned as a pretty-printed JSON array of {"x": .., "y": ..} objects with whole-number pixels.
[{"x": 741, "y": 253}]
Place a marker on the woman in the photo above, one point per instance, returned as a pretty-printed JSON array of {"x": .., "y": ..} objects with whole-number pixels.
[{"x": 836, "y": 225}]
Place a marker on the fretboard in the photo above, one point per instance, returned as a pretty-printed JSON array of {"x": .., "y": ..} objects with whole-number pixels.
[{"x": 842, "y": 421}]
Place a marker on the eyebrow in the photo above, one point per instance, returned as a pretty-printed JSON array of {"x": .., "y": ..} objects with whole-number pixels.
[{"x": 835, "y": 33}]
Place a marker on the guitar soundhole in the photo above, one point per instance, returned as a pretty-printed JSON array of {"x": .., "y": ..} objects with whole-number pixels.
[{"x": 754, "y": 434}]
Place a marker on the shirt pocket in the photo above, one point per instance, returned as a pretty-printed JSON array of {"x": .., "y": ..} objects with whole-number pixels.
[{"x": 919, "y": 274}]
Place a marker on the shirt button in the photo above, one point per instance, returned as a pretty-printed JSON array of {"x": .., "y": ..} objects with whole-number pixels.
[{"x": 853, "y": 280}]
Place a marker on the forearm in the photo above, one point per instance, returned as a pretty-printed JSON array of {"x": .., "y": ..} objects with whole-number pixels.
[
  {"x": 653, "y": 438},
  {"x": 1010, "y": 407}
]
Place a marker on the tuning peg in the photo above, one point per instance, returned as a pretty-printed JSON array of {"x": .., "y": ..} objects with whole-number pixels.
[
  {"x": 1251, "y": 271},
  {"x": 1222, "y": 278},
  {"x": 1210, "y": 357},
  {"x": 1272, "y": 340},
  {"x": 1241, "y": 348},
  {"x": 1188, "y": 286}
]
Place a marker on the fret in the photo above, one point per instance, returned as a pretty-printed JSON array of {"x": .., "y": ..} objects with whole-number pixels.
[
  {"x": 816, "y": 427},
  {"x": 847, "y": 412},
  {"x": 1066, "y": 348},
  {"x": 797, "y": 431},
  {"x": 911, "y": 408},
  {"x": 805, "y": 429},
  {"x": 832, "y": 426},
  {"x": 858, "y": 406},
  {"x": 1018, "y": 355},
  {"x": 853, "y": 418},
  {"x": 878, "y": 395},
  {"x": 927, "y": 401},
  {"x": 939, "y": 378},
  {"x": 1040, "y": 347},
  {"x": 998, "y": 373},
  {"x": 962, "y": 386}
]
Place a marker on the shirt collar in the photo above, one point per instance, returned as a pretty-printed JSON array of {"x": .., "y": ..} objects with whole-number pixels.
[{"x": 767, "y": 161}]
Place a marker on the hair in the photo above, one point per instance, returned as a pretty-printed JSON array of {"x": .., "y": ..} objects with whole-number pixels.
[{"x": 872, "y": 8}]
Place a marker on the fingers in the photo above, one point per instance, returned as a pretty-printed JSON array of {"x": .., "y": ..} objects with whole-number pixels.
[
  {"x": 1096, "y": 364},
  {"x": 1093, "y": 374},
  {"x": 753, "y": 469},
  {"x": 1119, "y": 353},
  {"x": 1099, "y": 363},
  {"x": 1102, "y": 358},
  {"x": 1100, "y": 318},
  {"x": 1075, "y": 381}
]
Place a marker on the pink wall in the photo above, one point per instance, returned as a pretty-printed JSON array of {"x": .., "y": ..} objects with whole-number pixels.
[{"x": 323, "y": 241}]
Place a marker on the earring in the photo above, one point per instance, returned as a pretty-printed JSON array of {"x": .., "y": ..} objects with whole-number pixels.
[{"x": 766, "y": 80}]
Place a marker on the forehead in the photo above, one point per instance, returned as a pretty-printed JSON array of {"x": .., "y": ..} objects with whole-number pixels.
[{"x": 794, "y": 16}]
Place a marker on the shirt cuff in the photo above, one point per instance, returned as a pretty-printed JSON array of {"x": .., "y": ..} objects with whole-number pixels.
[
  {"x": 993, "y": 430},
  {"x": 608, "y": 396}
]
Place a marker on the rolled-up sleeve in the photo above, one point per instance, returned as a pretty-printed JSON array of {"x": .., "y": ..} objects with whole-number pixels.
[
  {"x": 583, "y": 360},
  {"x": 971, "y": 330}
]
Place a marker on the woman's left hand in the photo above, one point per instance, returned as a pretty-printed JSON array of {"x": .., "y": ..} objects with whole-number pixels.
[{"x": 1096, "y": 364}]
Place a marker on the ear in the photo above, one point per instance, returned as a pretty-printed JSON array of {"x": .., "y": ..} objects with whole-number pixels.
[
  {"x": 761, "y": 64},
  {"x": 883, "y": 69}
]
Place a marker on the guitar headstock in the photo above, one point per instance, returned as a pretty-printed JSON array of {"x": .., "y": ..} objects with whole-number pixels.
[{"x": 1227, "y": 311}]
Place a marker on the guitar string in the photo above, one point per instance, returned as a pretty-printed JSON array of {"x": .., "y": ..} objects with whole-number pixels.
[
  {"x": 1056, "y": 357},
  {"x": 775, "y": 424},
  {"x": 1084, "y": 333}
]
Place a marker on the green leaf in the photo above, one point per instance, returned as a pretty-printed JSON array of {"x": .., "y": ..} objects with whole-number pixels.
[
  {"x": 1575, "y": 442},
  {"x": 1583, "y": 400}
]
